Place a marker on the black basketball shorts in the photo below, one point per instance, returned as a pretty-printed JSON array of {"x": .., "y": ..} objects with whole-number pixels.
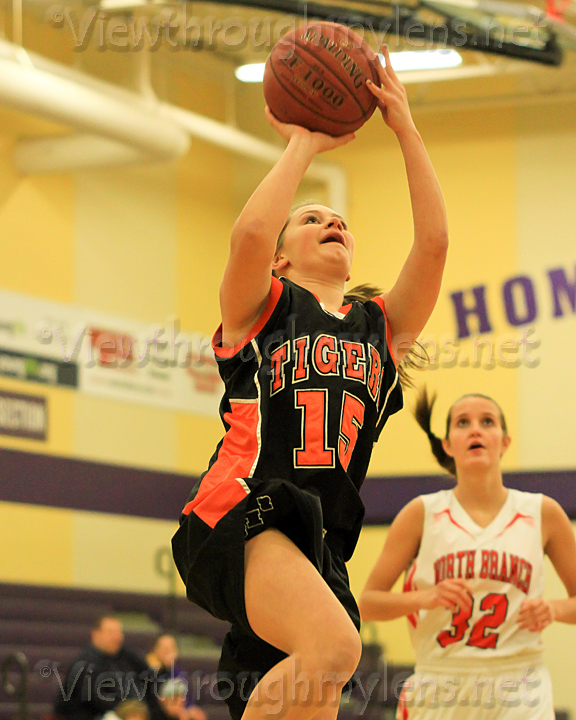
[{"x": 211, "y": 563}]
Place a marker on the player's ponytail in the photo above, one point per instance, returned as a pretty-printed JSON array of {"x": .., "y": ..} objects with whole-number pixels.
[
  {"x": 361, "y": 293},
  {"x": 423, "y": 415},
  {"x": 414, "y": 359}
]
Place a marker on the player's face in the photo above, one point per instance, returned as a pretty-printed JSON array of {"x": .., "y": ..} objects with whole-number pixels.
[
  {"x": 316, "y": 240},
  {"x": 476, "y": 438}
]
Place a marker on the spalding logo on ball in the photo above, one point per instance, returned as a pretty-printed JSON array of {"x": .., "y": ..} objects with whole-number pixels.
[{"x": 316, "y": 77}]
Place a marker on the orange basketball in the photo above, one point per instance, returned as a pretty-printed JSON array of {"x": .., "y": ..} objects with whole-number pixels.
[{"x": 316, "y": 77}]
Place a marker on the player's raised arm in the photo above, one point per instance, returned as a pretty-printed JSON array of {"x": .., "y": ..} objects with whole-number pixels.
[
  {"x": 248, "y": 275},
  {"x": 411, "y": 300}
]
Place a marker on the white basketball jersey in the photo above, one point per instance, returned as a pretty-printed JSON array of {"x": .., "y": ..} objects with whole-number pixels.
[{"x": 503, "y": 564}]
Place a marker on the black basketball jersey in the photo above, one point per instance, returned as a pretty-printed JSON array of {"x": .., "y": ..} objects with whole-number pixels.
[{"x": 307, "y": 394}]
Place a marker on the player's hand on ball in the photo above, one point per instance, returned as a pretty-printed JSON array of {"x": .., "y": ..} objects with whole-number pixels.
[
  {"x": 319, "y": 141},
  {"x": 535, "y": 615},
  {"x": 392, "y": 98},
  {"x": 448, "y": 594}
]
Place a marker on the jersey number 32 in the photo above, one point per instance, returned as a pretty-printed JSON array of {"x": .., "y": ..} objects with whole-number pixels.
[{"x": 495, "y": 606}]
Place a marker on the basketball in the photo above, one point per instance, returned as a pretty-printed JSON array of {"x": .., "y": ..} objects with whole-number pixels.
[{"x": 316, "y": 76}]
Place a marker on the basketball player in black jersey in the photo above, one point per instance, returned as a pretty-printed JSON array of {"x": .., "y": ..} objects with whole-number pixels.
[{"x": 309, "y": 383}]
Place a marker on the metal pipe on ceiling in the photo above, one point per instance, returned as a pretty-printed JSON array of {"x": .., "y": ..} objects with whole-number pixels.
[{"x": 116, "y": 126}]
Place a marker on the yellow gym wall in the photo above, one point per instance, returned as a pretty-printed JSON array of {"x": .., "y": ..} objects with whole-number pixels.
[
  {"x": 546, "y": 151},
  {"x": 151, "y": 242},
  {"x": 474, "y": 156}
]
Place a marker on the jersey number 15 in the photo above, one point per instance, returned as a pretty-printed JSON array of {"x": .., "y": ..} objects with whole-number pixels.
[{"x": 314, "y": 451}]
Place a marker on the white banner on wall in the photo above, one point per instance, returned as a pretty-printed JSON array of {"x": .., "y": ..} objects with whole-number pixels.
[{"x": 101, "y": 354}]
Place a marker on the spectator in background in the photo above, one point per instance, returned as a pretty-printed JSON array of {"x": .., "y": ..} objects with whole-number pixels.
[
  {"x": 163, "y": 656},
  {"x": 173, "y": 702},
  {"x": 104, "y": 674},
  {"x": 163, "y": 659}
]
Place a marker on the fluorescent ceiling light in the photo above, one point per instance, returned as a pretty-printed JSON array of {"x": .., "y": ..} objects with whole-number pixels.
[
  {"x": 424, "y": 60},
  {"x": 250, "y": 73},
  {"x": 401, "y": 61},
  {"x": 112, "y": 5}
]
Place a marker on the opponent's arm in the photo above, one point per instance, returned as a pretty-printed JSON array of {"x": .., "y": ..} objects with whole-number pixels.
[
  {"x": 248, "y": 275},
  {"x": 411, "y": 300},
  {"x": 560, "y": 546},
  {"x": 377, "y": 601}
]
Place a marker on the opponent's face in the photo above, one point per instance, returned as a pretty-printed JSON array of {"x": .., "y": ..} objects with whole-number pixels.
[
  {"x": 316, "y": 240},
  {"x": 476, "y": 438}
]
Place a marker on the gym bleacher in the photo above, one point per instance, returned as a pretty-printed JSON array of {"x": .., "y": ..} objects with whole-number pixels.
[{"x": 51, "y": 625}]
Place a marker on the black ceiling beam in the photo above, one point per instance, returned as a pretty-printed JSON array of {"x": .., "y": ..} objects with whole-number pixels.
[{"x": 403, "y": 22}]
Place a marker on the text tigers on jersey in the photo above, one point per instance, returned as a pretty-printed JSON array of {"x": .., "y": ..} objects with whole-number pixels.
[
  {"x": 489, "y": 565},
  {"x": 327, "y": 356}
]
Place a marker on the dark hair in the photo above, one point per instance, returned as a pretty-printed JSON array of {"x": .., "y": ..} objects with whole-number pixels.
[
  {"x": 423, "y": 415},
  {"x": 97, "y": 624},
  {"x": 159, "y": 637},
  {"x": 417, "y": 356}
]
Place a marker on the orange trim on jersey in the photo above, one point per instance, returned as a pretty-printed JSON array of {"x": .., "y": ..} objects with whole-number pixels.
[
  {"x": 528, "y": 518},
  {"x": 345, "y": 309},
  {"x": 447, "y": 512},
  {"x": 220, "y": 489},
  {"x": 379, "y": 300},
  {"x": 408, "y": 587},
  {"x": 402, "y": 710},
  {"x": 275, "y": 292}
]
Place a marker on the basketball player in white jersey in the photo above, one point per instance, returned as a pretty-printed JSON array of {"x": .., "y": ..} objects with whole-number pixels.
[{"x": 474, "y": 562}]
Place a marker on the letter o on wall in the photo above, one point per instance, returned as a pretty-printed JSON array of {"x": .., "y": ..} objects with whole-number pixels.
[{"x": 513, "y": 289}]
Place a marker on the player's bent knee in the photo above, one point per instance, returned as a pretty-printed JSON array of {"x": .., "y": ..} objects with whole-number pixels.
[
  {"x": 349, "y": 653},
  {"x": 341, "y": 654}
]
